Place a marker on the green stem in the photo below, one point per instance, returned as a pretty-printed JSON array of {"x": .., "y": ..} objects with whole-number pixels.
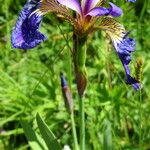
[
  {"x": 79, "y": 58},
  {"x": 81, "y": 53},
  {"x": 140, "y": 126},
  {"x": 82, "y": 123},
  {"x": 107, "y": 56},
  {"x": 80, "y": 65},
  {"x": 74, "y": 131}
]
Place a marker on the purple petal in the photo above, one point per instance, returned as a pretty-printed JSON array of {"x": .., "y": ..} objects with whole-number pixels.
[
  {"x": 25, "y": 34},
  {"x": 124, "y": 49},
  {"x": 87, "y": 5},
  {"x": 130, "y": 80},
  {"x": 114, "y": 11},
  {"x": 99, "y": 11},
  {"x": 123, "y": 45},
  {"x": 72, "y": 4},
  {"x": 126, "y": 46},
  {"x": 131, "y": 1}
]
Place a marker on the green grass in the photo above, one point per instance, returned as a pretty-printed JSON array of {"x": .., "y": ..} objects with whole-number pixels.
[{"x": 117, "y": 117}]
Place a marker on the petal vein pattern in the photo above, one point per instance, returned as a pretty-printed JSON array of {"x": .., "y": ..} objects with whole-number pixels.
[
  {"x": 72, "y": 4},
  {"x": 87, "y": 5},
  {"x": 123, "y": 45}
]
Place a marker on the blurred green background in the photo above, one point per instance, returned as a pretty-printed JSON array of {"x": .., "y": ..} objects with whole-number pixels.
[{"x": 117, "y": 117}]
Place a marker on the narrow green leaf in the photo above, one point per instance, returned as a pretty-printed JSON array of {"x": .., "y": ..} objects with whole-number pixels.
[
  {"x": 35, "y": 141},
  {"x": 47, "y": 135},
  {"x": 107, "y": 136},
  {"x": 12, "y": 117}
]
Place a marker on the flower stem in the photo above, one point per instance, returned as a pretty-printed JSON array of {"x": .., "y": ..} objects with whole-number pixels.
[
  {"x": 82, "y": 123},
  {"x": 79, "y": 58},
  {"x": 141, "y": 117},
  {"x": 74, "y": 131},
  {"x": 80, "y": 71}
]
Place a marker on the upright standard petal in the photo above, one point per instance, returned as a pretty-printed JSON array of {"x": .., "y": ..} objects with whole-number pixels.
[
  {"x": 123, "y": 45},
  {"x": 72, "y": 4},
  {"x": 98, "y": 11},
  {"x": 115, "y": 11},
  {"x": 87, "y": 5},
  {"x": 102, "y": 11},
  {"x": 25, "y": 34}
]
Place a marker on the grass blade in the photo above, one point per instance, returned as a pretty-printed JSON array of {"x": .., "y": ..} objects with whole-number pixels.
[
  {"x": 35, "y": 141},
  {"x": 107, "y": 136},
  {"x": 47, "y": 135}
]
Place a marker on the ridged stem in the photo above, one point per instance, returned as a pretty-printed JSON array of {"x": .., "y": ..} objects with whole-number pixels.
[
  {"x": 79, "y": 57},
  {"x": 82, "y": 123},
  {"x": 75, "y": 140},
  {"x": 141, "y": 117},
  {"x": 80, "y": 60}
]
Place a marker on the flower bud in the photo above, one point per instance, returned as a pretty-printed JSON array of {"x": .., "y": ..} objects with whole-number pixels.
[
  {"x": 81, "y": 82},
  {"x": 66, "y": 93}
]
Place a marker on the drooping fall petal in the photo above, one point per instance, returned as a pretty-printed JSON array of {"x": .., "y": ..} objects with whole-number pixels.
[
  {"x": 123, "y": 45},
  {"x": 124, "y": 50},
  {"x": 25, "y": 34}
]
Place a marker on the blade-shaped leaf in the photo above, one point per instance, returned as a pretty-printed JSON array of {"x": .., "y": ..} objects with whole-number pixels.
[
  {"x": 47, "y": 135},
  {"x": 107, "y": 136},
  {"x": 35, "y": 141}
]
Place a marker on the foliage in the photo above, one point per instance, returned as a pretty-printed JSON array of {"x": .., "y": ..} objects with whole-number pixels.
[{"x": 116, "y": 115}]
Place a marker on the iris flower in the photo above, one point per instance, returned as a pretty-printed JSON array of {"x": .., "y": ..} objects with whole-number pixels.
[
  {"x": 26, "y": 33},
  {"x": 91, "y": 15}
]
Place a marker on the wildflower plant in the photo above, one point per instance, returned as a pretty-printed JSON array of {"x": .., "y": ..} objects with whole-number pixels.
[{"x": 88, "y": 16}]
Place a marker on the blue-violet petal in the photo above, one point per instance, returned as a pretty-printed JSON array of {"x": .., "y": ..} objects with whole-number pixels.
[
  {"x": 124, "y": 49},
  {"x": 114, "y": 11},
  {"x": 131, "y": 1},
  {"x": 25, "y": 34}
]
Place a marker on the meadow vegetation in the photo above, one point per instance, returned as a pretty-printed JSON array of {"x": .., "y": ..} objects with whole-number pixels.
[{"x": 117, "y": 116}]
